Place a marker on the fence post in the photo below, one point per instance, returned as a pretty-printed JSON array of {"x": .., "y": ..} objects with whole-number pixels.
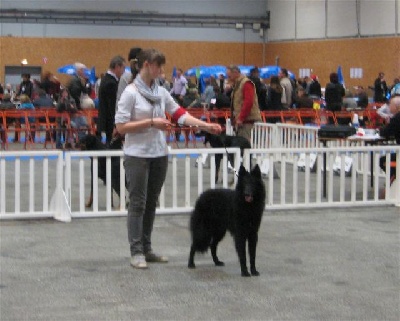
[{"x": 59, "y": 203}]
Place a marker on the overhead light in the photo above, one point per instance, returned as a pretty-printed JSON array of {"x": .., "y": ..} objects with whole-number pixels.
[
  {"x": 239, "y": 26},
  {"x": 24, "y": 61}
]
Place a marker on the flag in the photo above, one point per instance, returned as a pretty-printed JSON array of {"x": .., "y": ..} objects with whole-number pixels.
[
  {"x": 92, "y": 77},
  {"x": 174, "y": 73},
  {"x": 340, "y": 76}
]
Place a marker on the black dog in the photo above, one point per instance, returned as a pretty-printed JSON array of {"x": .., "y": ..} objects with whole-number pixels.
[
  {"x": 92, "y": 142},
  {"x": 223, "y": 140},
  {"x": 238, "y": 211}
]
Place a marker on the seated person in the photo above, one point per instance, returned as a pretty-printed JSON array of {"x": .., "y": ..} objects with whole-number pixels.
[
  {"x": 361, "y": 97},
  {"x": 348, "y": 101},
  {"x": 6, "y": 103},
  {"x": 389, "y": 131},
  {"x": 222, "y": 100},
  {"x": 78, "y": 122},
  {"x": 302, "y": 100},
  {"x": 191, "y": 98},
  {"x": 43, "y": 100},
  {"x": 208, "y": 93}
]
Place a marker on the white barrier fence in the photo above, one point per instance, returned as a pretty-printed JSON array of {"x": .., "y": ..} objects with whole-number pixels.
[{"x": 36, "y": 184}]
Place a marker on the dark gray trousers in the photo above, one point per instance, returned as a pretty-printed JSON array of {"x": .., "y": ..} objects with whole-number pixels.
[{"x": 145, "y": 178}]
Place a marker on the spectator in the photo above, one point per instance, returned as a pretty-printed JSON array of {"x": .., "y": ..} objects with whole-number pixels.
[
  {"x": 26, "y": 86},
  {"x": 244, "y": 102},
  {"x": 162, "y": 81},
  {"x": 208, "y": 93},
  {"x": 314, "y": 88},
  {"x": 43, "y": 100},
  {"x": 392, "y": 130},
  {"x": 361, "y": 97},
  {"x": 348, "y": 101},
  {"x": 261, "y": 89},
  {"x": 302, "y": 100},
  {"x": 178, "y": 90},
  {"x": 287, "y": 97},
  {"x": 97, "y": 85},
  {"x": 50, "y": 85},
  {"x": 222, "y": 100},
  {"x": 108, "y": 97},
  {"x": 380, "y": 88},
  {"x": 395, "y": 88},
  {"x": 274, "y": 95},
  {"x": 79, "y": 85},
  {"x": 192, "y": 98},
  {"x": 334, "y": 93},
  {"x": 67, "y": 103},
  {"x": 6, "y": 103},
  {"x": 128, "y": 76}
]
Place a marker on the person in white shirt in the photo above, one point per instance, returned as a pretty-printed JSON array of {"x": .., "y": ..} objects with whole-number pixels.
[
  {"x": 141, "y": 117},
  {"x": 178, "y": 90}
]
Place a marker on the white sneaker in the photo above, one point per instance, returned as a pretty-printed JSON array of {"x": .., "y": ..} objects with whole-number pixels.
[{"x": 138, "y": 261}]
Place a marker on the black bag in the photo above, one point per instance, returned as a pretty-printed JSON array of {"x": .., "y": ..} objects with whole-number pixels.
[{"x": 336, "y": 131}]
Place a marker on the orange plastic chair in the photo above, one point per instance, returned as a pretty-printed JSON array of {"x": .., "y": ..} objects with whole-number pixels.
[
  {"x": 38, "y": 123},
  {"x": 16, "y": 122},
  {"x": 291, "y": 117},
  {"x": 272, "y": 116},
  {"x": 308, "y": 116},
  {"x": 343, "y": 117},
  {"x": 326, "y": 117}
]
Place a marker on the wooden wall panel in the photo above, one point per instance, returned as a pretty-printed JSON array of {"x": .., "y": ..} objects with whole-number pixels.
[
  {"x": 323, "y": 57},
  {"x": 371, "y": 54}
]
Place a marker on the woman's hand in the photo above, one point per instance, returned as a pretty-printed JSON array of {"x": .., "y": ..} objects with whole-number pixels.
[{"x": 161, "y": 123}]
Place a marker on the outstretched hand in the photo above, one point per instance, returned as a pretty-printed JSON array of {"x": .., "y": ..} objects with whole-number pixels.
[{"x": 213, "y": 128}]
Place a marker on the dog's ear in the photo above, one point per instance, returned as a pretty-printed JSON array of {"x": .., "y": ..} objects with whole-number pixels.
[
  {"x": 242, "y": 170},
  {"x": 256, "y": 172}
]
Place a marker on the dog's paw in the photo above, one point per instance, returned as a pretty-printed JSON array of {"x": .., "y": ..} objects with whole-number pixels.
[
  {"x": 191, "y": 265},
  {"x": 254, "y": 272},
  {"x": 245, "y": 273},
  {"x": 219, "y": 263}
]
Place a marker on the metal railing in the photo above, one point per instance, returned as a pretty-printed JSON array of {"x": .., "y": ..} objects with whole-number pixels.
[{"x": 36, "y": 184}]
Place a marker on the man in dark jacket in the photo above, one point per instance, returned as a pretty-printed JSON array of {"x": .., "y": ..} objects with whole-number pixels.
[
  {"x": 26, "y": 86},
  {"x": 380, "y": 88},
  {"x": 79, "y": 84},
  {"x": 108, "y": 97},
  {"x": 334, "y": 93},
  {"x": 314, "y": 89},
  {"x": 261, "y": 89}
]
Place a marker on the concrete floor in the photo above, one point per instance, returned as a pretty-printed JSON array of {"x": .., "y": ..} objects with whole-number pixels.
[{"x": 340, "y": 264}]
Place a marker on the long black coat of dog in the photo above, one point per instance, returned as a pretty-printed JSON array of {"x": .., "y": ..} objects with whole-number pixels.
[
  {"x": 225, "y": 141},
  {"x": 239, "y": 211},
  {"x": 92, "y": 142}
]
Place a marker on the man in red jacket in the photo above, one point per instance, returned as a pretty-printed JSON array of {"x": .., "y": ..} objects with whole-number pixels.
[{"x": 244, "y": 103}]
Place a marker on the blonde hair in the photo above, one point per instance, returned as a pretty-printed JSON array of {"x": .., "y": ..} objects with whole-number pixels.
[{"x": 24, "y": 99}]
